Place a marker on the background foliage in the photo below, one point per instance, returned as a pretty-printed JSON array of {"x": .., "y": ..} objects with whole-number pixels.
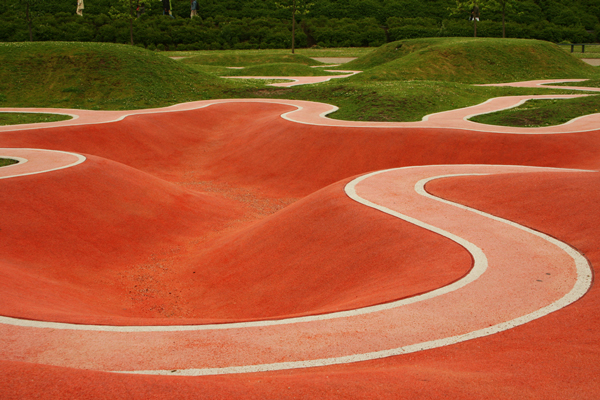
[{"x": 260, "y": 24}]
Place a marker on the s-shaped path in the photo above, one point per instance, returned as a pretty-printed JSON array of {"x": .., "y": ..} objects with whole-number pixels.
[{"x": 518, "y": 275}]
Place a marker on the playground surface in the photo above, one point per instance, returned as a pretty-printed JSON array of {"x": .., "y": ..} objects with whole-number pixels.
[{"x": 259, "y": 249}]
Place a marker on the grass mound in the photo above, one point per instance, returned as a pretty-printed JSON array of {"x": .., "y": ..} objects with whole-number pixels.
[
  {"x": 95, "y": 76},
  {"x": 243, "y": 60},
  {"x": 470, "y": 60},
  {"x": 279, "y": 69},
  {"x": 542, "y": 112},
  {"x": 120, "y": 77}
]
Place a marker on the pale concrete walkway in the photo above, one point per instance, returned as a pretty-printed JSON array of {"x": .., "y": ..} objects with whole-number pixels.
[
  {"x": 514, "y": 261},
  {"x": 314, "y": 113}
]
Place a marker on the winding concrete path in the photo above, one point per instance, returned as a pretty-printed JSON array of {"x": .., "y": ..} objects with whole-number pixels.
[
  {"x": 547, "y": 83},
  {"x": 313, "y": 113},
  {"x": 36, "y": 161},
  {"x": 518, "y": 275}
]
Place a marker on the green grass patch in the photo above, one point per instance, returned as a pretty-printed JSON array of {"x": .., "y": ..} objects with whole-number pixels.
[
  {"x": 96, "y": 76},
  {"x": 470, "y": 60},
  {"x": 591, "y": 51},
  {"x": 392, "y": 100},
  {"x": 7, "y": 161},
  {"x": 29, "y": 118},
  {"x": 121, "y": 77},
  {"x": 279, "y": 69},
  {"x": 589, "y": 83},
  {"x": 312, "y": 52},
  {"x": 534, "y": 113},
  {"x": 244, "y": 60}
]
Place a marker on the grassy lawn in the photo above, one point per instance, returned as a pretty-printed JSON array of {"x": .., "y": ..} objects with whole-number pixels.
[
  {"x": 29, "y": 118},
  {"x": 96, "y": 76},
  {"x": 470, "y": 60},
  {"x": 542, "y": 112},
  {"x": 233, "y": 59},
  {"x": 276, "y": 69},
  {"x": 589, "y": 83},
  {"x": 591, "y": 51},
  {"x": 390, "y": 100},
  {"x": 313, "y": 52},
  {"x": 402, "y": 81},
  {"x": 6, "y": 161}
]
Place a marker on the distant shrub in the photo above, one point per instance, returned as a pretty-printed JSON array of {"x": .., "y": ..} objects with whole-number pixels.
[{"x": 250, "y": 24}]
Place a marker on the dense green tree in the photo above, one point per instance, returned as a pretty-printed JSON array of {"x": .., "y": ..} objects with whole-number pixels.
[
  {"x": 260, "y": 24},
  {"x": 295, "y": 7},
  {"x": 502, "y": 7},
  {"x": 471, "y": 8}
]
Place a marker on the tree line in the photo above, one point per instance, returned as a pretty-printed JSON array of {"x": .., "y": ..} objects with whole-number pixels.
[{"x": 262, "y": 24}]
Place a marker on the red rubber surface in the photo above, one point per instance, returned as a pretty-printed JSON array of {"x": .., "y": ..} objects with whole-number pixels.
[{"x": 126, "y": 214}]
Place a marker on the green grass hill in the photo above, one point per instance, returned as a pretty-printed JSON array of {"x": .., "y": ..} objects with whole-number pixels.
[
  {"x": 95, "y": 76},
  {"x": 422, "y": 76},
  {"x": 470, "y": 60}
]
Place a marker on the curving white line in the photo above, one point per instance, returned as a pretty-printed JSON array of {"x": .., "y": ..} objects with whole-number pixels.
[
  {"x": 582, "y": 285},
  {"x": 300, "y": 326},
  {"x": 547, "y": 84},
  {"x": 35, "y": 155},
  {"x": 479, "y": 266},
  {"x": 313, "y": 113},
  {"x": 520, "y": 103}
]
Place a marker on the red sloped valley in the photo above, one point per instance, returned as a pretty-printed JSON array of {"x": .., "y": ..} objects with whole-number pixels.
[{"x": 231, "y": 213}]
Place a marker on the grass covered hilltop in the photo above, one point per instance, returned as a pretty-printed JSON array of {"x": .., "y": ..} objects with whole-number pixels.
[{"x": 401, "y": 81}]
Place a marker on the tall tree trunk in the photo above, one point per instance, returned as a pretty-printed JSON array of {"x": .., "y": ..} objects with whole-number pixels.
[
  {"x": 293, "y": 26},
  {"x": 29, "y": 23}
]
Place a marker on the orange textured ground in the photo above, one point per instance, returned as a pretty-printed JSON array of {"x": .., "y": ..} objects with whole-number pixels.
[{"x": 178, "y": 218}]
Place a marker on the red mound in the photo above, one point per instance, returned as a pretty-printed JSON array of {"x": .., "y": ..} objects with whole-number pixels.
[
  {"x": 124, "y": 245},
  {"x": 554, "y": 357},
  {"x": 98, "y": 215},
  {"x": 68, "y": 235},
  {"x": 283, "y": 265},
  {"x": 283, "y": 159}
]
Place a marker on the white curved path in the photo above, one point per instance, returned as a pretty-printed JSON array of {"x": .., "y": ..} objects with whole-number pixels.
[
  {"x": 313, "y": 113},
  {"x": 37, "y": 161},
  {"x": 518, "y": 275},
  {"x": 548, "y": 84}
]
